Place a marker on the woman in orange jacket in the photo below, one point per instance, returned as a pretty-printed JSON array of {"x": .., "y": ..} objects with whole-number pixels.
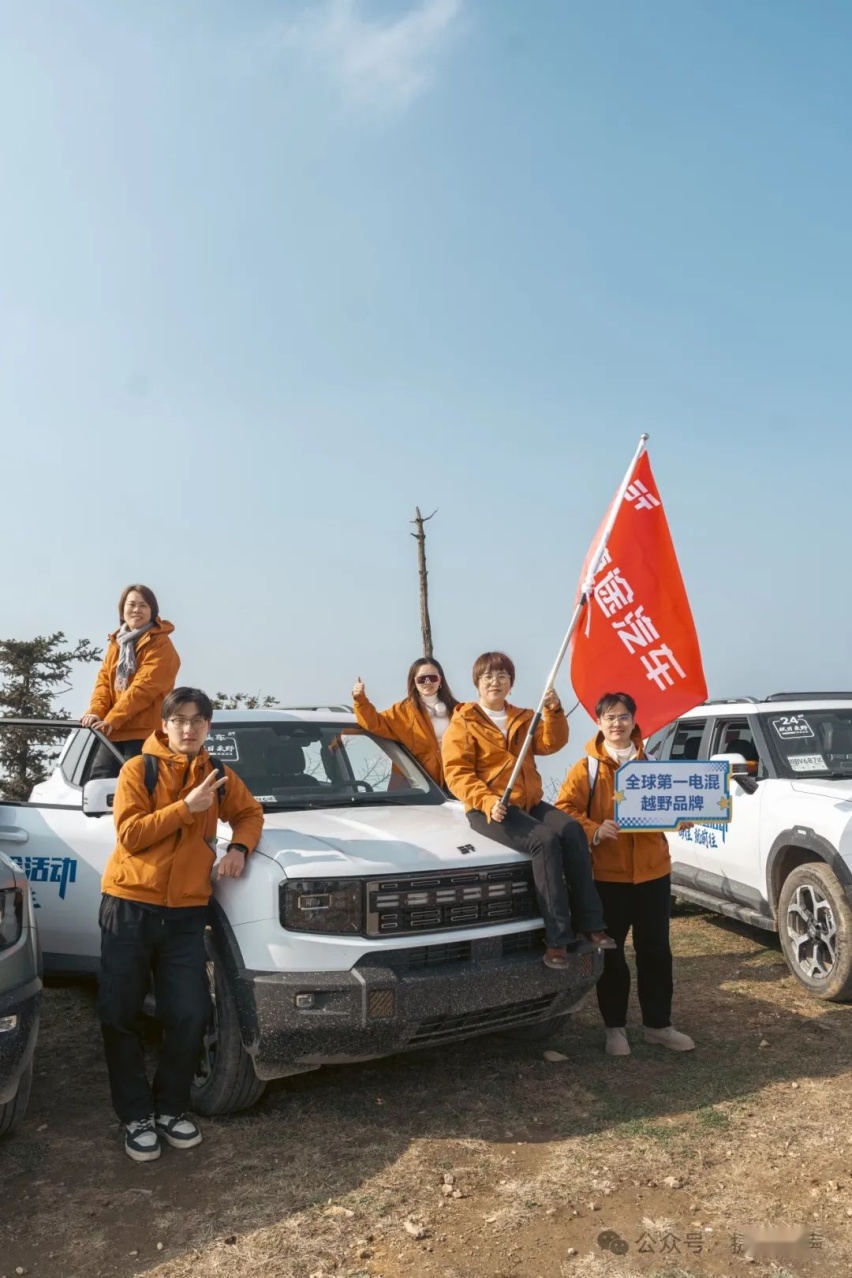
[
  {"x": 139, "y": 669},
  {"x": 481, "y": 748},
  {"x": 632, "y": 872},
  {"x": 420, "y": 720}
]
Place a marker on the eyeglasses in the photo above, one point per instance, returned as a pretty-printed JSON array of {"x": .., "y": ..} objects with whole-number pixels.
[
  {"x": 178, "y": 721},
  {"x": 495, "y": 676},
  {"x": 616, "y": 718},
  {"x": 428, "y": 679}
]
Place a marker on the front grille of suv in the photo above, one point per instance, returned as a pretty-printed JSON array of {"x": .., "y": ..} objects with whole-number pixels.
[
  {"x": 439, "y": 1028},
  {"x": 412, "y": 903}
]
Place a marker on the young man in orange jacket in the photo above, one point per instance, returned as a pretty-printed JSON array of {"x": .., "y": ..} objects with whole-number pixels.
[{"x": 156, "y": 887}]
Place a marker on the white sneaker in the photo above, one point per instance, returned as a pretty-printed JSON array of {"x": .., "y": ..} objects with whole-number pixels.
[
  {"x": 616, "y": 1042},
  {"x": 180, "y": 1131},
  {"x": 141, "y": 1142},
  {"x": 670, "y": 1037}
]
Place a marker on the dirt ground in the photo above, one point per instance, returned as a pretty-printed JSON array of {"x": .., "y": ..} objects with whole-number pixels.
[{"x": 483, "y": 1160}]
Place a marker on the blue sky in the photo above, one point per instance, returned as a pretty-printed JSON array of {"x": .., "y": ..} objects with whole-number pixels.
[{"x": 275, "y": 272}]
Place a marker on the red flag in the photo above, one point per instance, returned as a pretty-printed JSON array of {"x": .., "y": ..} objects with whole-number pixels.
[{"x": 637, "y": 634}]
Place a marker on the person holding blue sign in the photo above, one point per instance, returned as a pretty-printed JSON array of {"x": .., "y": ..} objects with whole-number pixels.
[{"x": 632, "y": 872}]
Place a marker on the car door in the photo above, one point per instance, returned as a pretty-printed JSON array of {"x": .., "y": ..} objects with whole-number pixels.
[
  {"x": 61, "y": 850},
  {"x": 688, "y": 740},
  {"x": 731, "y": 854}
]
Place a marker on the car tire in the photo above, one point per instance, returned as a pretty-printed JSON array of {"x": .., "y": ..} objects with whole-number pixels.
[
  {"x": 815, "y": 927},
  {"x": 226, "y": 1081},
  {"x": 12, "y": 1113}
]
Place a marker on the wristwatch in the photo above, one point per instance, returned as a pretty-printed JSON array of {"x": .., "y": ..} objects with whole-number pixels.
[{"x": 238, "y": 847}]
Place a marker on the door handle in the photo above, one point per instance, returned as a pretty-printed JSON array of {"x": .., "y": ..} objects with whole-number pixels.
[{"x": 10, "y": 835}]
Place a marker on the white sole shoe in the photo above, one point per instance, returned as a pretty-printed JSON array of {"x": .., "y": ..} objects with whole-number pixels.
[
  {"x": 671, "y": 1038},
  {"x": 616, "y": 1042}
]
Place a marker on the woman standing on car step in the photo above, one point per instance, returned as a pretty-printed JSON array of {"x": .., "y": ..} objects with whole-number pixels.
[
  {"x": 139, "y": 669},
  {"x": 420, "y": 720}
]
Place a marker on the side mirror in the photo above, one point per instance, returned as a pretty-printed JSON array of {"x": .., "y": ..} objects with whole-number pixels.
[
  {"x": 98, "y": 797},
  {"x": 742, "y": 770}
]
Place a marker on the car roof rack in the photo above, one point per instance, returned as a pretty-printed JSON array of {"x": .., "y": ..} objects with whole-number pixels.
[
  {"x": 728, "y": 701},
  {"x": 342, "y": 708},
  {"x": 807, "y": 696}
]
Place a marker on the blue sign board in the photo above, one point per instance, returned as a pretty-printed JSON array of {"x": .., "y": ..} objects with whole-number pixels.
[{"x": 660, "y": 796}]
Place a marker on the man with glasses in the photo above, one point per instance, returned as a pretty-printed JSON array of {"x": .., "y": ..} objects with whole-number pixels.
[
  {"x": 481, "y": 747},
  {"x": 632, "y": 870},
  {"x": 156, "y": 887}
]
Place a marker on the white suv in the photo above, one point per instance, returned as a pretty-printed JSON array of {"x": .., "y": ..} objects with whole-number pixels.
[
  {"x": 784, "y": 862},
  {"x": 371, "y": 919}
]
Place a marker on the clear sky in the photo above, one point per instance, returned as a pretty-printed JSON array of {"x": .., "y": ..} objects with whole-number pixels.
[{"x": 273, "y": 273}]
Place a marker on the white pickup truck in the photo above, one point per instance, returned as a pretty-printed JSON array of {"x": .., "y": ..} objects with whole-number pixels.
[{"x": 370, "y": 920}]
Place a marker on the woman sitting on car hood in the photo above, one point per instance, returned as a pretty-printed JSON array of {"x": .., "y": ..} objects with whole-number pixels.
[
  {"x": 420, "y": 720},
  {"x": 139, "y": 669}
]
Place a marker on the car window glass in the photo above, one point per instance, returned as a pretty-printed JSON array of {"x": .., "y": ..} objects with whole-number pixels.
[{"x": 686, "y": 742}]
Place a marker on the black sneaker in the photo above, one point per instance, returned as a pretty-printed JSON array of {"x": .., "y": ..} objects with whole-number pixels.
[
  {"x": 141, "y": 1141},
  {"x": 180, "y": 1131}
]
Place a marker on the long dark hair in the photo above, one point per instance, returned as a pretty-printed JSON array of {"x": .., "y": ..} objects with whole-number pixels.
[{"x": 443, "y": 687}]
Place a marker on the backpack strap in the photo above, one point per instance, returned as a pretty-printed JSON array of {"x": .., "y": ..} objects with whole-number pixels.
[
  {"x": 152, "y": 772},
  {"x": 594, "y": 766}
]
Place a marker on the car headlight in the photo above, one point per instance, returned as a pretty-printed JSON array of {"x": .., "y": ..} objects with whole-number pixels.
[
  {"x": 11, "y": 916},
  {"x": 333, "y": 906}
]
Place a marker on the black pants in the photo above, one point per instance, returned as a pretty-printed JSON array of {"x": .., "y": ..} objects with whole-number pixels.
[
  {"x": 104, "y": 762},
  {"x": 646, "y": 907},
  {"x": 136, "y": 942},
  {"x": 562, "y": 868}
]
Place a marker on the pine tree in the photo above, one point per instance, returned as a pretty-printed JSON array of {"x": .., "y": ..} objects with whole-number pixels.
[
  {"x": 243, "y": 701},
  {"x": 33, "y": 674}
]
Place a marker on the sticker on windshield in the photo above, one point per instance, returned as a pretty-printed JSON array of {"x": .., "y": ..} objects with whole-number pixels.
[
  {"x": 224, "y": 746},
  {"x": 806, "y": 762},
  {"x": 265, "y": 798},
  {"x": 792, "y": 726}
]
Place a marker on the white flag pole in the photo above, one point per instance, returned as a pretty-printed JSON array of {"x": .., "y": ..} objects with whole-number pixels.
[{"x": 585, "y": 590}]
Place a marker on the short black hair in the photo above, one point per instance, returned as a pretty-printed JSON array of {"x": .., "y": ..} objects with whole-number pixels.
[
  {"x": 182, "y": 697},
  {"x": 610, "y": 699}
]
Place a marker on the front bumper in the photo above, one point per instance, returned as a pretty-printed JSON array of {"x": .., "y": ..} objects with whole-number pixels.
[
  {"x": 18, "y": 1043},
  {"x": 404, "y": 999}
]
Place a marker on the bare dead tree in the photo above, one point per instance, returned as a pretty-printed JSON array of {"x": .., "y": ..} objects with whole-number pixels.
[{"x": 420, "y": 538}]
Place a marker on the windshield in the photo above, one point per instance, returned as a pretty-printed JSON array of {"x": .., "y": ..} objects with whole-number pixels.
[
  {"x": 812, "y": 743},
  {"x": 308, "y": 765}
]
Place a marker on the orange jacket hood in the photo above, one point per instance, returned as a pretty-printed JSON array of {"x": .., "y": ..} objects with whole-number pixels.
[
  {"x": 635, "y": 856},
  {"x": 165, "y": 853},
  {"x": 478, "y": 758},
  {"x": 137, "y": 711}
]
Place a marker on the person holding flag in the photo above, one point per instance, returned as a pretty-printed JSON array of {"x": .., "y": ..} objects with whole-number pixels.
[
  {"x": 481, "y": 747},
  {"x": 632, "y": 871}
]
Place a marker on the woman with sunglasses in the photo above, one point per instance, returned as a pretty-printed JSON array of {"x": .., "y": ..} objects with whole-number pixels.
[{"x": 420, "y": 720}]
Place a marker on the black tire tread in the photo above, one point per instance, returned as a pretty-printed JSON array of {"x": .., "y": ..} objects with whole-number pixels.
[
  {"x": 233, "y": 1084},
  {"x": 838, "y": 988},
  {"x": 12, "y": 1113}
]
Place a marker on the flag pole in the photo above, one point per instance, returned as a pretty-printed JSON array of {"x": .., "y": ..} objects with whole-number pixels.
[{"x": 585, "y": 590}]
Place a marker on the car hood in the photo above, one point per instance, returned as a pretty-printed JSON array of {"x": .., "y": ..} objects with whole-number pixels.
[
  {"x": 376, "y": 840},
  {"x": 839, "y": 789}
]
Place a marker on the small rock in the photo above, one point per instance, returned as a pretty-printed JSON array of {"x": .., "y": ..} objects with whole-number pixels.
[
  {"x": 20, "y": 1270},
  {"x": 42, "y": 1128},
  {"x": 415, "y": 1230},
  {"x": 338, "y": 1211},
  {"x": 133, "y": 1253},
  {"x": 763, "y": 1043},
  {"x": 572, "y": 1251},
  {"x": 594, "y": 1207},
  {"x": 447, "y": 1191},
  {"x": 489, "y": 1220},
  {"x": 159, "y": 1246},
  {"x": 457, "y": 1193},
  {"x": 555, "y": 1056},
  {"x": 794, "y": 1085},
  {"x": 449, "y": 1178},
  {"x": 672, "y": 1182}
]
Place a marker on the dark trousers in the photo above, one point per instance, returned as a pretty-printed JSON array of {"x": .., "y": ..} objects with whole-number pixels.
[
  {"x": 562, "y": 868},
  {"x": 646, "y": 907},
  {"x": 139, "y": 941},
  {"x": 104, "y": 762}
]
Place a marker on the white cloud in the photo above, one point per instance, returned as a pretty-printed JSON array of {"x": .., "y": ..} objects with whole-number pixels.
[{"x": 383, "y": 62}]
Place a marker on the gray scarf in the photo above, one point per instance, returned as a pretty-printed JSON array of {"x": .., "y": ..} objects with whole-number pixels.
[{"x": 126, "y": 639}]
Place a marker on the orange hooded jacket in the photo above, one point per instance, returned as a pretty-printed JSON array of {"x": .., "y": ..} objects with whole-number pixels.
[
  {"x": 635, "y": 856},
  {"x": 408, "y": 724},
  {"x": 135, "y": 713},
  {"x": 478, "y": 759},
  {"x": 164, "y": 852}
]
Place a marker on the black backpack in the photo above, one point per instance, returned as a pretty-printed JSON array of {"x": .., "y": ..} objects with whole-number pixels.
[{"x": 152, "y": 771}]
